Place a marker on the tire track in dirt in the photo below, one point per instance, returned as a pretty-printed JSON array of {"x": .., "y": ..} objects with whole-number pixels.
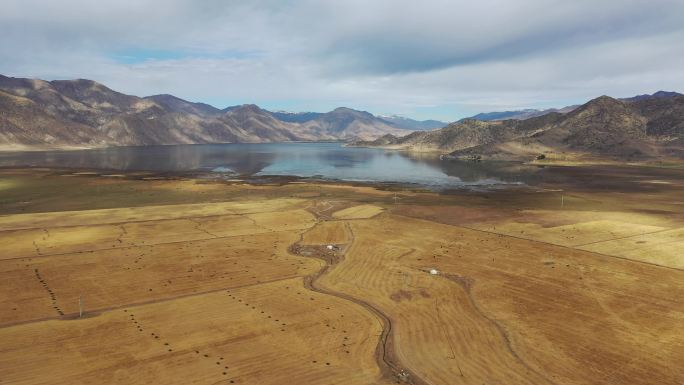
[
  {"x": 133, "y": 246},
  {"x": 385, "y": 355},
  {"x": 636, "y": 261},
  {"x": 467, "y": 284}
]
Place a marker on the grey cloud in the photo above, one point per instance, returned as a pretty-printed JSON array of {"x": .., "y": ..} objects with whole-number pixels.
[
  {"x": 408, "y": 37},
  {"x": 430, "y": 57}
]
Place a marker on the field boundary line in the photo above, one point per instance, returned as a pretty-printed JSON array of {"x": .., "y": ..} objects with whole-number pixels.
[
  {"x": 625, "y": 237},
  {"x": 150, "y": 302},
  {"x": 139, "y": 246},
  {"x": 189, "y": 217},
  {"x": 544, "y": 243}
]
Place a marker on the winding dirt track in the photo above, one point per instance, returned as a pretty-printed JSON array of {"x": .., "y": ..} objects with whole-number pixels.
[
  {"x": 502, "y": 309},
  {"x": 403, "y": 364},
  {"x": 386, "y": 357}
]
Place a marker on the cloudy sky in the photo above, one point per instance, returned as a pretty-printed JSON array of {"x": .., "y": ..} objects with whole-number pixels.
[{"x": 442, "y": 59}]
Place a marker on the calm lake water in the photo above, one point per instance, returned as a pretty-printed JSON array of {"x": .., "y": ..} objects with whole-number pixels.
[{"x": 323, "y": 160}]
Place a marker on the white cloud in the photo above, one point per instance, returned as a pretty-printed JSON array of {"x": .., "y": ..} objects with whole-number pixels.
[{"x": 436, "y": 58}]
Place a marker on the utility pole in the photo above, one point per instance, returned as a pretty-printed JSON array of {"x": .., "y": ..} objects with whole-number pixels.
[
  {"x": 562, "y": 200},
  {"x": 80, "y": 307}
]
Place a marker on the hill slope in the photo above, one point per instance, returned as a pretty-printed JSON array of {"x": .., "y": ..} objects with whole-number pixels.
[
  {"x": 84, "y": 113},
  {"x": 644, "y": 127},
  {"x": 411, "y": 124},
  {"x": 519, "y": 114}
]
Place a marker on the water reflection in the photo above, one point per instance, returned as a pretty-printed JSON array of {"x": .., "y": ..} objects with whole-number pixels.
[
  {"x": 328, "y": 160},
  {"x": 475, "y": 171}
]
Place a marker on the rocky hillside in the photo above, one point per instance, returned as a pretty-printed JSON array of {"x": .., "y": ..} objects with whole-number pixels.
[
  {"x": 414, "y": 125},
  {"x": 639, "y": 128},
  {"x": 83, "y": 113},
  {"x": 464, "y": 134},
  {"x": 519, "y": 114}
]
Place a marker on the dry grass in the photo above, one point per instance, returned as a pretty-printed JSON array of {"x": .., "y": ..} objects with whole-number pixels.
[
  {"x": 326, "y": 233},
  {"x": 358, "y": 212},
  {"x": 146, "y": 213},
  {"x": 526, "y": 311},
  {"x": 60, "y": 240},
  {"x": 664, "y": 248},
  {"x": 588, "y": 293},
  {"x": 223, "y": 285},
  {"x": 645, "y": 238},
  {"x": 245, "y": 335}
]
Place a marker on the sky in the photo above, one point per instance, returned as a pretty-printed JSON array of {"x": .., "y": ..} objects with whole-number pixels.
[{"x": 428, "y": 59}]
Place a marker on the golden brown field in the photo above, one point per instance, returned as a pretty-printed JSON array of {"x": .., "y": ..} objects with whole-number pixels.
[{"x": 185, "y": 281}]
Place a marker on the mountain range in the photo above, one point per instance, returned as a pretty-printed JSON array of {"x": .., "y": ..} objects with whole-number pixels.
[
  {"x": 646, "y": 126},
  {"x": 393, "y": 120},
  {"x": 518, "y": 114},
  {"x": 533, "y": 113},
  {"x": 414, "y": 125},
  {"x": 38, "y": 114}
]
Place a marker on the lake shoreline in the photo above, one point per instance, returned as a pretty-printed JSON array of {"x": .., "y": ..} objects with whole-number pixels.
[
  {"x": 628, "y": 178},
  {"x": 324, "y": 162}
]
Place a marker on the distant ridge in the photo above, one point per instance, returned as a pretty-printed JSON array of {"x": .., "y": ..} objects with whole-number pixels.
[
  {"x": 644, "y": 127},
  {"x": 411, "y": 124},
  {"x": 296, "y": 117},
  {"x": 518, "y": 114},
  {"x": 656, "y": 95},
  {"x": 532, "y": 113},
  {"x": 81, "y": 113}
]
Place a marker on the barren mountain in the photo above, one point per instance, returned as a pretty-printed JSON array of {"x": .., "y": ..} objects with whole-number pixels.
[
  {"x": 296, "y": 117},
  {"x": 84, "y": 113},
  {"x": 464, "y": 134},
  {"x": 346, "y": 123},
  {"x": 412, "y": 124},
  {"x": 640, "y": 128},
  {"x": 657, "y": 95},
  {"x": 17, "y": 113},
  {"x": 393, "y": 121},
  {"x": 519, "y": 114},
  {"x": 172, "y": 103}
]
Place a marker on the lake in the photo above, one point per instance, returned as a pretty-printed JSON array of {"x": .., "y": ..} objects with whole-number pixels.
[{"x": 321, "y": 160}]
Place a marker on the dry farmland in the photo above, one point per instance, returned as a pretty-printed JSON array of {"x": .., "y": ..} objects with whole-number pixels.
[{"x": 309, "y": 283}]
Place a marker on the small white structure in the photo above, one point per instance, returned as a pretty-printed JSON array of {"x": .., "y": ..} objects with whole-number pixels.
[
  {"x": 434, "y": 271},
  {"x": 330, "y": 247}
]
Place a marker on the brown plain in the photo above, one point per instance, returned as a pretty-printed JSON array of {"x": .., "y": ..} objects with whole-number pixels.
[{"x": 241, "y": 289}]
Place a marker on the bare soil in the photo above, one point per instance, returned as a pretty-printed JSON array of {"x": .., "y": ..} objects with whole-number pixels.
[{"x": 189, "y": 281}]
